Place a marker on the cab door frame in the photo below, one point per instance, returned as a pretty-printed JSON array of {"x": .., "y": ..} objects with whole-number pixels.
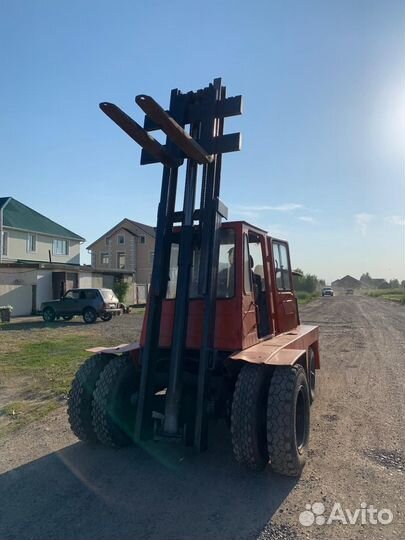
[{"x": 285, "y": 303}]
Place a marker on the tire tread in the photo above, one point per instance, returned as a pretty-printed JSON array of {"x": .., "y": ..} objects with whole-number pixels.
[
  {"x": 106, "y": 428},
  {"x": 245, "y": 418},
  {"x": 280, "y": 409},
  {"x": 81, "y": 397}
]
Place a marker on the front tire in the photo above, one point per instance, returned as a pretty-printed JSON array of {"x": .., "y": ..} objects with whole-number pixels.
[
  {"x": 89, "y": 316},
  {"x": 106, "y": 317},
  {"x": 49, "y": 314},
  {"x": 248, "y": 417},
  {"x": 81, "y": 397},
  {"x": 114, "y": 410},
  {"x": 288, "y": 420}
]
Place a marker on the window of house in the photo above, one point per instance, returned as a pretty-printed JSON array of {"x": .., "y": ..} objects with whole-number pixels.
[
  {"x": 31, "y": 243},
  {"x": 107, "y": 241},
  {"x": 141, "y": 239},
  {"x": 4, "y": 243},
  {"x": 60, "y": 247},
  {"x": 121, "y": 260},
  {"x": 121, "y": 239},
  {"x": 104, "y": 258},
  {"x": 282, "y": 267},
  {"x": 151, "y": 255}
]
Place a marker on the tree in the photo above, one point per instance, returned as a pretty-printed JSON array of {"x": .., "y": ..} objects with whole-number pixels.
[
  {"x": 121, "y": 288},
  {"x": 394, "y": 284},
  {"x": 366, "y": 278},
  {"x": 308, "y": 282}
]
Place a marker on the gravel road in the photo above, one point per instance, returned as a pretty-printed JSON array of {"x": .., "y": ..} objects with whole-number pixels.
[{"x": 52, "y": 486}]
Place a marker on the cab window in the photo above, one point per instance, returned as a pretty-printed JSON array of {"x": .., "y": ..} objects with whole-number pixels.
[
  {"x": 226, "y": 267},
  {"x": 247, "y": 274},
  {"x": 226, "y": 264},
  {"x": 282, "y": 267}
]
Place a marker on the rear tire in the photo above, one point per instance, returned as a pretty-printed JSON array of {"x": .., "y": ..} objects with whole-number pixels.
[
  {"x": 113, "y": 408},
  {"x": 81, "y": 397},
  {"x": 288, "y": 420},
  {"x": 49, "y": 314},
  {"x": 248, "y": 417},
  {"x": 89, "y": 315}
]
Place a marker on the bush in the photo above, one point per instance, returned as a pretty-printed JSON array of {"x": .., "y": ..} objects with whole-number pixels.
[
  {"x": 304, "y": 297},
  {"x": 383, "y": 292},
  {"x": 395, "y": 295},
  {"x": 121, "y": 288},
  {"x": 307, "y": 283}
]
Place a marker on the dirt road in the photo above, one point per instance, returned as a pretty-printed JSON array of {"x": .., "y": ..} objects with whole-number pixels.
[{"x": 52, "y": 486}]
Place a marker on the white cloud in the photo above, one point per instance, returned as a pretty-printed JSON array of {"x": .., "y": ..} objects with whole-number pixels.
[
  {"x": 395, "y": 220},
  {"x": 362, "y": 221},
  {"x": 307, "y": 219},
  {"x": 287, "y": 207}
]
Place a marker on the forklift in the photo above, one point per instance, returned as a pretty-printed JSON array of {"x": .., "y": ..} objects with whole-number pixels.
[{"x": 221, "y": 337}]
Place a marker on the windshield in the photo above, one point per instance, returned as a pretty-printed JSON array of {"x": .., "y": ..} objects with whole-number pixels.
[
  {"x": 108, "y": 295},
  {"x": 226, "y": 268}
]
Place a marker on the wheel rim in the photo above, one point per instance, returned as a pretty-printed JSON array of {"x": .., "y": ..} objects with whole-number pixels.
[
  {"x": 300, "y": 420},
  {"x": 88, "y": 316},
  {"x": 47, "y": 314}
]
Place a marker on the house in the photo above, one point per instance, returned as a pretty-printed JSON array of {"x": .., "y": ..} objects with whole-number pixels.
[
  {"x": 127, "y": 247},
  {"x": 39, "y": 259},
  {"x": 28, "y": 236},
  {"x": 379, "y": 283},
  {"x": 347, "y": 282}
]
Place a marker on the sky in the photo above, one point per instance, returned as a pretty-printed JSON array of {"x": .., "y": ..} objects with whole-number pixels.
[{"x": 323, "y": 83}]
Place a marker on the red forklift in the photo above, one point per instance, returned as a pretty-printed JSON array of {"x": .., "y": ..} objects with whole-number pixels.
[{"x": 221, "y": 336}]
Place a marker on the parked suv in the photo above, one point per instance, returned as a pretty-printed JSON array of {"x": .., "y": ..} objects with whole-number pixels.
[
  {"x": 327, "y": 291},
  {"x": 90, "y": 303}
]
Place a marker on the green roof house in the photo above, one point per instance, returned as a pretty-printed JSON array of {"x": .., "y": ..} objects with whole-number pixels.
[{"x": 29, "y": 237}]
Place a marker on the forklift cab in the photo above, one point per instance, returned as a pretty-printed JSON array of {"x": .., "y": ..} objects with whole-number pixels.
[{"x": 255, "y": 297}]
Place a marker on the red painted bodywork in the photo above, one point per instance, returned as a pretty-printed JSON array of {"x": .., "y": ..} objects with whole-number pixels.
[{"x": 236, "y": 323}]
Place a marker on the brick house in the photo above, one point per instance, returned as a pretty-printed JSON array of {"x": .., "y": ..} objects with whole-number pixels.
[{"x": 127, "y": 247}]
